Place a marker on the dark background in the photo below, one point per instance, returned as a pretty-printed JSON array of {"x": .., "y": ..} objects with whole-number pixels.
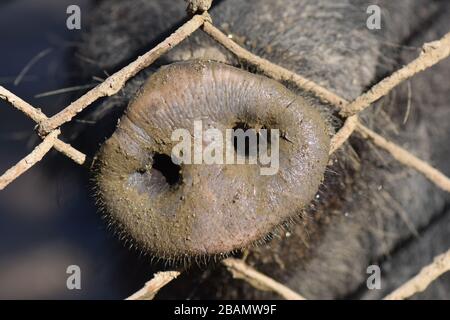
[{"x": 48, "y": 219}]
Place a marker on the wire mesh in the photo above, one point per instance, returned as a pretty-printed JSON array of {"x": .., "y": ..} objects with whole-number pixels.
[{"x": 49, "y": 130}]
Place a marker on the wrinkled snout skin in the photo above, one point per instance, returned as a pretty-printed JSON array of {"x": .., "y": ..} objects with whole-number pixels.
[{"x": 369, "y": 209}]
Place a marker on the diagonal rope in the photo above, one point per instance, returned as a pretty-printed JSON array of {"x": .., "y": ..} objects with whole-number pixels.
[
  {"x": 240, "y": 270},
  {"x": 115, "y": 82},
  {"x": 152, "y": 287},
  {"x": 37, "y": 116},
  {"x": 406, "y": 158},
  {"x": 432, "y": 53},
  {"x": 270, "y": 69},
  {"x": 30, "y": 160},
  {"x": 423, "y": 279}
]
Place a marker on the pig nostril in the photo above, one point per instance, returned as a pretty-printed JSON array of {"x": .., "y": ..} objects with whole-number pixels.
[
  {"x": 245, "y": 152},
  {"x": 170, "y": 171},
  {"x": 218, "y": 208},
  {"x": 251, "y": 138}
]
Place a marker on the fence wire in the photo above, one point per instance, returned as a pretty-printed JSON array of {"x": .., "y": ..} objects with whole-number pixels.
[{"x": 49, "y": 130}]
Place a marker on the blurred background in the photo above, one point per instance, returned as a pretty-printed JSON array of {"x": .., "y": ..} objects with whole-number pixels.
[{"x": 48, "y": 219}]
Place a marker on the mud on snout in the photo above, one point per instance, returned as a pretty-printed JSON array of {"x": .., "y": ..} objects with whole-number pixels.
[{"x": 172, "y": 207}]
